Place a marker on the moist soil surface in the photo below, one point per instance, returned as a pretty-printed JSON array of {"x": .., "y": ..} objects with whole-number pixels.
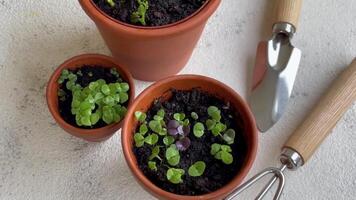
[
  {"x": 88, "y": 74},
  {"x": 159, "y": 13},
  {"x": 217, "y": 174}
]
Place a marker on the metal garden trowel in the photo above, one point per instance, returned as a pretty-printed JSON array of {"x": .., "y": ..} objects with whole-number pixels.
[{"x": 276, "y": 67}]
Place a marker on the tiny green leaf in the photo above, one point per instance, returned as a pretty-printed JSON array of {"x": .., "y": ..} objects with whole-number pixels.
[
  {"x": 179, "y": 116},
  {"x": 226, "y": 148},
  {"x": 194, "y": 115},
  {"x": 152, "y": 165},
  {"x": 172, "y": 155},
  {"x": 105, "y": 89},
  {"x": 143, "y": 129},
  {"x": 155, "y": 152},
  {"x": 197, "y": 169},
  {"x": 94, "y": 118},
  {"x": 161, "y": 113},
  {"x": 72, "y": 77},
  {"x": 229, "y": 136},
  {"x": 155, "y": 126},
  {"x": 151, "y": 139},
  {"x": 186, "y": 122},
  {"x": 140, "y": 14},
  {"x": 65, "y": 72},
  {"x": 163, "y": 132},
  {"x": 108, "y": 114},
  {"x": 125, "y": 87},
  {"x": 113, "y": 71},
  {"x": 98, "y": 96},
  {"x": 198, "y": 129},
  {"x": 226, "y": 157},
  {"x": 214, "y": 113},
  {"x": 124, "y": 97},
  {"x": 111, "y": 3},
  {"x": 93, "y": 85},
  {"x": 175, "y": 175},
  {"x": 168, "y": 140},
  {"x": 139, "y": 140},
  {"x": 210, "y": 124},
  {"x": 215, "y": 148},
  {"x": 108, "y": 100},
  {"x": 158, "y": 118},
  {"x": 140, "y": 116},
  {"x": 85, "y": 120}
]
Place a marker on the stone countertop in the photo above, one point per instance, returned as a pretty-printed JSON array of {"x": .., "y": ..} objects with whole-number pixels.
[{"x": 38, "y": 160}]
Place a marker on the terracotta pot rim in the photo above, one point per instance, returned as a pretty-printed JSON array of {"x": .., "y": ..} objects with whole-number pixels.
[
  {"x": 54, "y": 109},
  {"x": 201, "y": 14},
  {"x": 250, "y": 155}
]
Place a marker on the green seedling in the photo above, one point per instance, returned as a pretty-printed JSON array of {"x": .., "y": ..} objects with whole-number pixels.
[
  {"x": 111, "y": 3},
  {"x": 179, "y": 117},
  {"x": 168, "y": 140},
  {"x": 151, "y": 139},
  {"x": 62, "y": 95},
  {"x": 96, "y": 101},
  {"x": 152, "y": 165},
  {"x": 218, "y": 129},
  {"x": 194, "y": 115},
  {"x": 214, "y": 125},
  {"x": 161, "y": 113},
  {"x": 140, "y": 116},
  {"x": 155, "y": 152},
  {"x": 198, "y": 130},
  {"x": 172, "y": 155},
  {"x": 143, "y": 129},
  {"x": 214, "y": 113},
  {"x": 197, "y": 169},
  {"x": 139, "y": 16},
  {"x": 186, "y": 122},
  {"x": 175, "y": 175},
  {"x": 222, "y": 152},
  {"x": 229, "y": 136},
  {"x": 114, "y": 72},
  {"x": 156, "y": 126},
  {"x": 139, "y": 140}
]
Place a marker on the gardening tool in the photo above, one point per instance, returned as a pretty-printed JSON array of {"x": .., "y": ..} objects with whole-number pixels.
[
  {"x": 307, "y": 138},
  {"x": 276, "y": 67}
]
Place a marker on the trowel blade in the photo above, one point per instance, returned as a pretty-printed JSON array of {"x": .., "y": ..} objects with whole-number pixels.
[{"x": 274, "y": 75}]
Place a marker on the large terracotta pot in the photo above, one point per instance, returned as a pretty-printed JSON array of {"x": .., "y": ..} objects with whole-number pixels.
[
  {"x": 151, "y": 53},
  {"x": 187, "y": 82},
  {"x": 93, "y": 135}
]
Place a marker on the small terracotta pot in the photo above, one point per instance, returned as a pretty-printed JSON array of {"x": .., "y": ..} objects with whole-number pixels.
[
  {"x": 151, "y": 53},
  {"x": 93, "y": 135},
  {"x": 188, "y": 82}
]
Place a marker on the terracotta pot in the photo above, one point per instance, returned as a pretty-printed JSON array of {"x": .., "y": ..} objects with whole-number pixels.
[
  {"x": 187, "y": 82},
  {"x": 93, "y": 135},
  {"x": 151, "y": 53}
]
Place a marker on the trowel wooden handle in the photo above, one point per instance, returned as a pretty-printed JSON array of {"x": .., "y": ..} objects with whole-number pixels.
[
  {"x": 288, "y": 11},
  {"x": 307, "y": 138}
]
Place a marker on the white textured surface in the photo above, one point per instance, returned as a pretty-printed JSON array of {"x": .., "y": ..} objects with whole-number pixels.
[{"x": 40, "y": 161}]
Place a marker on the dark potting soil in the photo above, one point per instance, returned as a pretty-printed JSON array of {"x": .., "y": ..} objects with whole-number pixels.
[
  {"x": 88, "y": 74},
  {"x": 160, "y": 12},
  {"x": 217, "y": 174}
]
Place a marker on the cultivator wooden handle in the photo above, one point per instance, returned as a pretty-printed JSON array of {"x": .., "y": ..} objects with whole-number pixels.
[
  {"x": 288, "y": 11},
  {"x": 307, "y": 138}
]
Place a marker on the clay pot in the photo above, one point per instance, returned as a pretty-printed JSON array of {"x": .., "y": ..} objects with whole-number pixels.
[
  {"x": 93, "y": 135},
  {"x": 151, "y": 53},
  {"x": 188, "y": 82}
]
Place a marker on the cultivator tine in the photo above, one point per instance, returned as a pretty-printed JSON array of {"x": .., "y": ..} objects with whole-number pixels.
[{"x": 278, "y": 175}]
